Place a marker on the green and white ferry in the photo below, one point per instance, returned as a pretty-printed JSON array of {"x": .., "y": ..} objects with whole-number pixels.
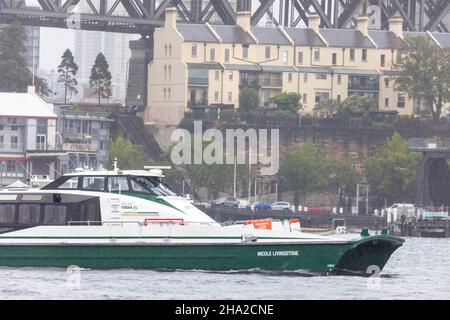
[{"x": 132, "y": 219}]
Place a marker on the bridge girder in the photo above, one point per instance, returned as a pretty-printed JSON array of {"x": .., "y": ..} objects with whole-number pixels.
[{"x": 142, "y": 16}]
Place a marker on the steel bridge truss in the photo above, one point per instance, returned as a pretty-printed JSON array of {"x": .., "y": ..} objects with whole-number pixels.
[{"x": 142, "y": 16}]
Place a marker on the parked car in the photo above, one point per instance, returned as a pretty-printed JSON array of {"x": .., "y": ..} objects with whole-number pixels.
[
  {"x": 259, "y": 206},
  {"x": 225, "y": 202},
  {"x": 281, "y": 206}
]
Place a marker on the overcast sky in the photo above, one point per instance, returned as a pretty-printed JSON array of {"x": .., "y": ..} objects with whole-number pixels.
[{"x": 53, "y": 44}]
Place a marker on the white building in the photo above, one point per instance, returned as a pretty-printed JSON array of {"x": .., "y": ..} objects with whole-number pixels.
[{"x": 27, "y": 137}]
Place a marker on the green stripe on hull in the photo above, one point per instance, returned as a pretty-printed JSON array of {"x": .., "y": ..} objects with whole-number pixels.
[{"x": 314, "y": 257}]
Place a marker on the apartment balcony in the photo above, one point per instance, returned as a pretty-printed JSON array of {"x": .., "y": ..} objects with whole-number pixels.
[
  {"x": 12, "y": 147},
  {"x": 272, "y": 83},
  {"x": 79, "y": 147},
  {"x": 249, "y": 83},
  {"x": 198, "y": 104},
  {"x": 198, "y": 81}
]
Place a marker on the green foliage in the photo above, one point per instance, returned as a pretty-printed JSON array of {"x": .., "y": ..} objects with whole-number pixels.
[
  {"x": 228, "y": 115},
  {"x": 392, "y": 171},
  {"x": 67, "y": 70},
  {"x": 15, "y": 76},
  {"x": 304, "y": 170},
  {"x": 327, "y": 108},
  {"x": 248, "y": 99},
  {"x": 358, "y": 106},
  {"x": 279, "y": 114},
  {"x": 129, "y": 156},
  {"x": 100, "y": 78},
  {"x": 425, "y": 73},
  {"x": 287, "y": 101},
  {"x": 307, "y": 169}
]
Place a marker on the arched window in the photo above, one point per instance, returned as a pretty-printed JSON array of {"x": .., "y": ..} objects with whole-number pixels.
[
  {"x": 169, "y": 93},
  {"x": 170, "y": 50},
  {"x": 165, "y": 72},
  {"x": 165, "y": 94},
  {"x": 170, "y": 72},
  {"x": 165, "y": 50}
]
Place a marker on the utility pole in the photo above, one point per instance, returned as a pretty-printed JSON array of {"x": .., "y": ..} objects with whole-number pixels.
[
  {"x": 234, "y": 181},
  {"x": 357, "y": 198},
  {"x": 367, "y": 199}
]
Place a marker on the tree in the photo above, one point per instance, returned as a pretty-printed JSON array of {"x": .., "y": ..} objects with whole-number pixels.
[
  {"x": 304, "y": 170},
  {"x": 128, "y": 155},
  {"x": 342, "y": 177},
  {"x": 287, "y": 101},
  {"x": 424, "y": 72},
  {"x": 42, "y": 86},
  {"x": 100, "y": 78},
  {"x": 392, "y": 171},
  {"x": 248, "y": 99},
  {"x": 67, "y": 70},
  {"x": 327, "y": 108},
  {"x": 358, "y": 106},
  {"x": 15, "y": 75}
]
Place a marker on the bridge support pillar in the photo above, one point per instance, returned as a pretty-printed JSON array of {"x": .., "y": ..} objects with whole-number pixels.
[{"x": 141, "y": 55}]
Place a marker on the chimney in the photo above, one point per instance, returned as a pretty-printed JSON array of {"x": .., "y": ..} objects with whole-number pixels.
[
  {"x": 314, "y": 22},
  {"x": 396, "y": 26},
  {"x": 171, "y": 17},
  {"x": 243, "y": 20},
  {"x": 362, "y": 25}
]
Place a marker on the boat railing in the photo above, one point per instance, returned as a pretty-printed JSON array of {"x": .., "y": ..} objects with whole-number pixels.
[{"x": 81, "y": 223}]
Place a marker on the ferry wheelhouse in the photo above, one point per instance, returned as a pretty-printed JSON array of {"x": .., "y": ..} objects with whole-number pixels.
[{"x": 132, "y": 219}]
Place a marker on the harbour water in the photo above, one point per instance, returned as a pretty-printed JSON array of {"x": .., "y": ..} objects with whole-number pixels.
[{"x": 418, "y": 270}]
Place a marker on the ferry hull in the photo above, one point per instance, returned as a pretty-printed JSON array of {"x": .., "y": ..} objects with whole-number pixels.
[{"x": 355, "y": 255}]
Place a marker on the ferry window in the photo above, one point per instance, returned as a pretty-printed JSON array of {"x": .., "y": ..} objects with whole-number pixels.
[
  {"x": 7, "y": 213},
  {"x": 72, "y": 183},
  {"x": 154, "y": 185},
  {"x": 94, "y": 183},
  {"x": 29, "y": 213},
  {"x": 118, "y": 184},
  {"x": 137, "y": 187},
  {"x": 55, "y": 215}
]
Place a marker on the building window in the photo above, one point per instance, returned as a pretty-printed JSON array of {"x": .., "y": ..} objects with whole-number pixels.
[
  {"x": 386, "y": 82},
  {"x": 364, "y": 55},
  {"x": 216, "y": 96},
  {"x": 170, "y": 50},
  {"x": 338, "y": 98},
  {"x": 305, "y": 77},
  {"x": 165, "y": 72},
  {"x": 382, "y": 60},
  {"x": 1, "y": 127},
  {"x": 305, "y": 98},
  {"x": 317, "y": 54},
  {"x": 194, "y": 50},
  {"x": 386, "y": 102},
  {"x": 352, "y": 54},
  {"x": 322, "y": 96},
  {"x": 339, "y": 79},
  {"x": 285, "y": 57},
  {"x": 230, "y": 96},
  {"x": 267, "y": 53},
  {"x": 321, "y": 76},
  {"x": 168, "y": 93},
  {"x": 165, "y": 50},
  {"x": 300, "y": 57},
  {"x": 14, "y": 142},
  {"x": 2, "y": 141},
  {"x": 400, "y": 100},
  {"x": 227, "y": 55},
  {"x": 165, "y": 94},
  {"x": 245, "y": 51},
  {"x": 216, "y": 75},
  {"x": 230, "y": 75},
  {"x": 334, "y": 59},
  {"x": 290, "y": 76},
  {"x": 212, "y": 54}
]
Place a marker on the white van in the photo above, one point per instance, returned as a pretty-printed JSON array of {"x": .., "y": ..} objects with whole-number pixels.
[{"x": 397, "y": 210}]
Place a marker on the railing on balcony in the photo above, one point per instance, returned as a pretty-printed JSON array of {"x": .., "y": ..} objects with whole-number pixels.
[
  {"x": 76, "y": 147},
  {"x": 198, "y": 81},
  {"x": 12, "y": 147},
  {"x": 249, "y": 82},
  {"x": 272, "y": 82},
  {"x": 201, "y": 103}
]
